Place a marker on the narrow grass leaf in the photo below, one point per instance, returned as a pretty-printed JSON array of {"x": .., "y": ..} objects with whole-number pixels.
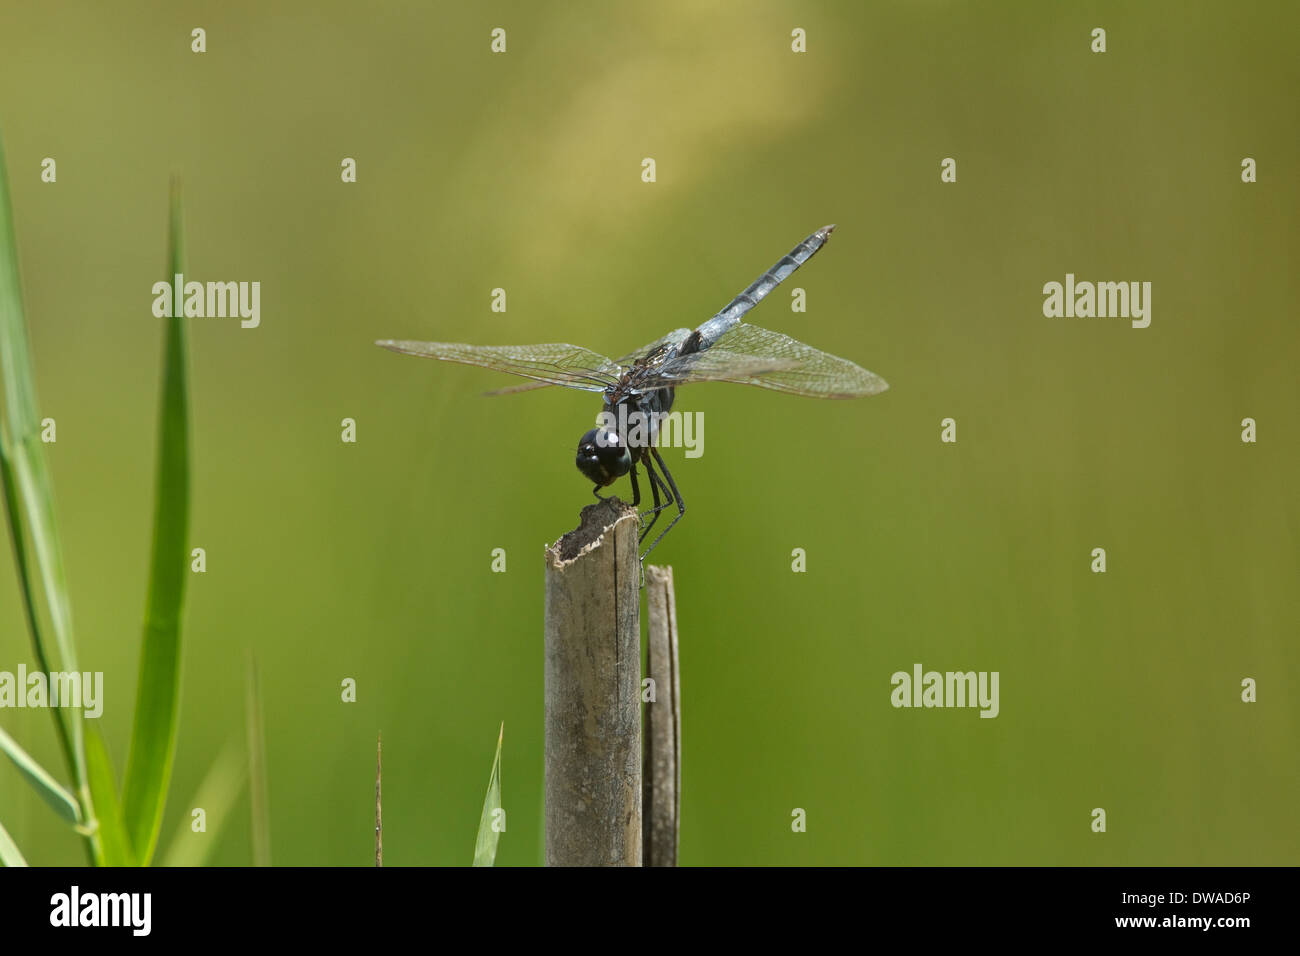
[
  {"x": 217, "y": 795},
  {"x": 485, "y": 847},
  {"x": 259, "y": 794},
  {"x": 29, "y": 505},
  {"x": 51, "y": 791},
  {"x": 9, "y": 854},
  {"x": 157, "y": 704},
  {"x": 115, "y": 842}
]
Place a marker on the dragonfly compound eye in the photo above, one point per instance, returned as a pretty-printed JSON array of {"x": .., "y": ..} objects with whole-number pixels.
[{"x": 603, "y": 457}]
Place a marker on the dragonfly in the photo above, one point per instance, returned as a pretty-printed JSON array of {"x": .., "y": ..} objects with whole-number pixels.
[{"x": 640, "y": 387}]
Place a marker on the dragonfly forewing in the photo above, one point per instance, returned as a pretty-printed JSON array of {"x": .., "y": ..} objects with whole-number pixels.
[
  {"x": 750, "y": 355},
  {"x": 551, "y": 364}
]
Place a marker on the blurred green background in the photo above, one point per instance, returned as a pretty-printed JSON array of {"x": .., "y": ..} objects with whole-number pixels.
[{"x": 373, "y": 560}]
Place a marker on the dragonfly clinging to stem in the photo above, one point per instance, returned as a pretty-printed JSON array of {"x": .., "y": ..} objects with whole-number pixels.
[{"x": 641, "y": 385}]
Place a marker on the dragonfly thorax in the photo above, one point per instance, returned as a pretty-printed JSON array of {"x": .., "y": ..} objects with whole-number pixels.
[{"x": 624, "y": 430}]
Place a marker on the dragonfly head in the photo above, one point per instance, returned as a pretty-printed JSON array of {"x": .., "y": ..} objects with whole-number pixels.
[{"x": 603, "y": 456}]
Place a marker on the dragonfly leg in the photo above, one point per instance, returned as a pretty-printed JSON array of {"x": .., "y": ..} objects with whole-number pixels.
[
  {"x": 636, "y": 488},
  {"x": 656, "y": 483},
  {"x": 674, "y": 494}
]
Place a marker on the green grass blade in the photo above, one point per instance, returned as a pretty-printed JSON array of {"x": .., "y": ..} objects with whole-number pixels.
[
  {"x": 29, "y": 505},
  {"x": 258, "y": 787},
  {"x": 15, "y": 356},
  {"x": 115, "y": 842},
  {"x": 217, "y": 795},
  {"x": 157, "y": 704},
  {"x": 52, "y": 792},
  {"x": 9, "y": 854},
  {"x": 485, "y": 847}
]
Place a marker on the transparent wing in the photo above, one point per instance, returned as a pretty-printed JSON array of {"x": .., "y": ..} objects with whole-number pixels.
[
  {"x": 750, "y": 355},
  {"x": 675, "y": 337},
  {"x": 551, "y": 364},
  {"x": 516, "y": 389}
]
